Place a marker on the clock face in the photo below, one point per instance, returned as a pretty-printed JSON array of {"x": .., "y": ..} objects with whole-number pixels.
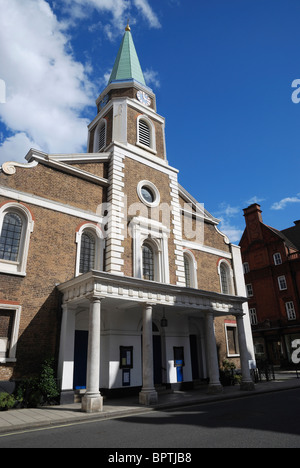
[{"x": 144, "y": 98}]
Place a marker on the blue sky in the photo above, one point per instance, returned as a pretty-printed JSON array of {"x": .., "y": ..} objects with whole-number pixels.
[{"x": 222, "y": 71}]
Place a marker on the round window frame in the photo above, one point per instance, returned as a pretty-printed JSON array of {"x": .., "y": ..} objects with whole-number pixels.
[{"x": 150, "y": 186}]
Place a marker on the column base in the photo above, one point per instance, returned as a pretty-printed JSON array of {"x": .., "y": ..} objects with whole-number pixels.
[
  {"x": 247, "y": 386},
  {"x": 92, "y": 403},
  {"x": 148, "y": 397},
  {"x": 215, "y": 389}
]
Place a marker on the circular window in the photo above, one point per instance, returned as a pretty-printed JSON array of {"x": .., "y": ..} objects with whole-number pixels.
[{"x": 148, "y": 193}]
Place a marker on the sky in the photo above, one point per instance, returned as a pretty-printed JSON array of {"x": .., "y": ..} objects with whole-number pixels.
[{"x": 226, "y": 74}]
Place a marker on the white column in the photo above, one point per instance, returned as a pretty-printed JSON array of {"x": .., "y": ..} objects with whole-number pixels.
[
  {"x": 247, "y": 382},
  {"x": 66, "y": 349},
  {"x": 92, "y": 401},
  {"x": 148, "y": 395},
  {"x": 212, "y": 356}
]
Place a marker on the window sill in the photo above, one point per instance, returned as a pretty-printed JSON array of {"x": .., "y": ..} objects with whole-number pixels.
[{"x": 147, "y": 148}]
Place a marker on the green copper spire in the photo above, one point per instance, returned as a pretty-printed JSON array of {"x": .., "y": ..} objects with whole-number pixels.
[{"x": 127, "y": 66}]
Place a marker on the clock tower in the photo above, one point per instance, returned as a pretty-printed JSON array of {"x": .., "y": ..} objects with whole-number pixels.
[{"x": 127, "y": 109}]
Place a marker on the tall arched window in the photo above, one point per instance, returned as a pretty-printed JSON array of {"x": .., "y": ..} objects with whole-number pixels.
[
  {"x": 187, "y": 271},
  {"x": 148, "y": 262},
  {"x": 190, "y": 269},
  {"x": 90, "y": 248},
  {"x": 10, "y": 238},
  {"x": 87, "y": 252},
  {"x": 16, "y": 224},
  {"x": 225, "y": 273}
]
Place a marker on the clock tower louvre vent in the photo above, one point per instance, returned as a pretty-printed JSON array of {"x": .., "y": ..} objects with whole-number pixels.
[
  {"x": 102, "y": 138},
  {"x": 144, "y": 133}
]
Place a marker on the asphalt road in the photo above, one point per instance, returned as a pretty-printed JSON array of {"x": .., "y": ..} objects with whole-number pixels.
[{"x": 259, "y": 421}]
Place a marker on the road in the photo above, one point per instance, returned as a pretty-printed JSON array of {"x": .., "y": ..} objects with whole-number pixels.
[{"x": 259, "y": 421}]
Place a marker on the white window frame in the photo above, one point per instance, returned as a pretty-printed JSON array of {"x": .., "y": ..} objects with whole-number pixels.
[
  {"x": 192, "y": 263},
  {"x": 282, "y": 283},
  {"x": 97, "y": 136},
  {"x": 249, "y": 288},
  {"x": 290, "y": 310},
  {"x": 150, "y": 124},
  {"x": 153, "y": 189},
  {"x": 229, "y": 276},
  {"x": 99, "y": 237},
  {"x": 17, "y": 267},
  {"x": 277, "y": 258},
  {"x": 246, "y": 267},
  {"x": 234, "y": 326},
  {"x": 253, "y": 316},
  {"x": 12, "y": 350},
  {"x": 156, "y": 234}
]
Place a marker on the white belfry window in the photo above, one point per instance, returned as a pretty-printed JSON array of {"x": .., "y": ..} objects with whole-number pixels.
[
  {"x": 100, "y": 136},
  {"x": 146, "y": 133},
  {"x": 16, "y": 225}
]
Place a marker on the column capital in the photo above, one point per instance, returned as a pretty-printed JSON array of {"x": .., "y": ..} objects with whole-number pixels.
[{"x": 94, "y": 297}]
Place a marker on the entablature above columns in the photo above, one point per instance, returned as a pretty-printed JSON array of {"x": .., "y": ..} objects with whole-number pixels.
[{"x": 132, "y": 290}]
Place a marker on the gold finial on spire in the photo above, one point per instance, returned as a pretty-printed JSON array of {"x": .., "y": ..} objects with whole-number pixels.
[{"x": 127, "y": 27}]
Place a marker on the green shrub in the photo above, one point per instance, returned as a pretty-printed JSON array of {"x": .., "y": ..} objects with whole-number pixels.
[
  {"x": 7, "y": 401},
  {"x": 40, "y": 390}
]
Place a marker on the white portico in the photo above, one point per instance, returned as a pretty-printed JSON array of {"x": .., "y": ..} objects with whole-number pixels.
[{"x": 118, "y": 311}]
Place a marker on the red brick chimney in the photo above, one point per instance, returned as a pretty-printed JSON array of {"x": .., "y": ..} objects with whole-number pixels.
[{"x": 253, "y": 220}]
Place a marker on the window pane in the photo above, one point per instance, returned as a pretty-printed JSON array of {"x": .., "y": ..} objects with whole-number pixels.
[
  {"x": 10, "y": 237},
  {"x": 187, "y": 272},
  {"x": 231, "y": 339},
  {"x": 87, "y": 253},
  {"x": 224, "y": 280},
  {"x": 148, "y": 263}
]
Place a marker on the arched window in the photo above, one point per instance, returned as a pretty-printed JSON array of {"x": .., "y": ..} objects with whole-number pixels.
[
  {"x": 16, "y": 224},
  {"x": 87, "y": 252},
  {"x": 10, "y": 238},
  {"x": 148, "y": 262},
  {"x": 187, "y": 271},
  {"x": 100, "y": 136},
  {"x": 190, "y": 270},
  {"x": 146, "y": 133},
  {"x": 90, "y": 248},
  {"x": 225, "y": 273}
]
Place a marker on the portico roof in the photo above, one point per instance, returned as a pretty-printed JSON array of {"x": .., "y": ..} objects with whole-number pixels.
[{"x": 133, "y": 291}]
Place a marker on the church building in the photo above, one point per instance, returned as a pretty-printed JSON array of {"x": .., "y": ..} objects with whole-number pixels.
[{"x": 111, "y": 267}]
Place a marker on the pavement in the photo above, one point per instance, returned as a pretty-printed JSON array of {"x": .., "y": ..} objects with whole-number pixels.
[{"x": 30, "y": 419}]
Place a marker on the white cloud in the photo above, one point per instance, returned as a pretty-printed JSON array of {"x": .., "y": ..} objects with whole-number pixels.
[
  {"x": 227, "y": 226},
  {"x": 281, "y": 205},
  {"x": 120, "y": 10},
  {"x": 46, "y": 89},
  {"x": 151, "y": 78},
  {"x": 255, "y": 199},
  {"x": 147, "y": 11}
]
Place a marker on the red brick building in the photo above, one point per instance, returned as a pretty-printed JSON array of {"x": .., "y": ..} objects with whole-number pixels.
[{"x": 271, "y": 260}]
